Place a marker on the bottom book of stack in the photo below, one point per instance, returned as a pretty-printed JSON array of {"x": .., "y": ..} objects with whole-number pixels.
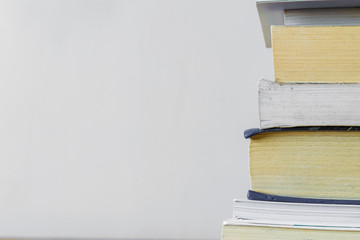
[{"x": 255, "y": 220}]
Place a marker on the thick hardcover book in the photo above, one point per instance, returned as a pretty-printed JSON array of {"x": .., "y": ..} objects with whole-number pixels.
[
  {"x": 308, "y": 104},
  {"x": 306, "y": 162}
]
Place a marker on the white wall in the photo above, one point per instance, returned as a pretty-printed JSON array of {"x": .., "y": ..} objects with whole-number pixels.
[{"x": 124, "y": 119}]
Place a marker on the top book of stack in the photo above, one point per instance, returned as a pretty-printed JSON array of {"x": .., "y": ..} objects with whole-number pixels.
[{"x": 319, "y": 44}]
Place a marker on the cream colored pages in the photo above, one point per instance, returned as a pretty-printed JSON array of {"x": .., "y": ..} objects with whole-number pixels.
[
  {"x": 316, "y": 53},
  {"x": 310, "y": 164}
]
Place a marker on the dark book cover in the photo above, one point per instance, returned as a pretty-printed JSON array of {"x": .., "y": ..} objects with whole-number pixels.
[
  {"x": 254, "y": 131},
  {"x": 252, "y": 195}
]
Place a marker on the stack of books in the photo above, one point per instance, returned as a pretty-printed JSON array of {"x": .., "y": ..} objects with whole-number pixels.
[{"x": 305, "y": 157}]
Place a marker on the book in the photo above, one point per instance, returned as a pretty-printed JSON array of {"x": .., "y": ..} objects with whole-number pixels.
[
  {"x": 314, "y": 162},
  {"x": 274, "y": 13},
  {"x": 239, "y": 230},
  {"x": 308, "y": 104},
  {"x": 316, "y": 53},
  {"x": 266, "y": 220},
  {"x": 297, "y": 214}
]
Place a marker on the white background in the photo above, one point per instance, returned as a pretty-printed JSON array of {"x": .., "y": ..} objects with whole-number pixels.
[{"x": 125, "y": 119}]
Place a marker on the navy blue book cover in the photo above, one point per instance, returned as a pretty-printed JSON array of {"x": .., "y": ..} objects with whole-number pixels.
[
  {"x": 253, "y": 131},
  {"x": 252, "y": 195}
]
